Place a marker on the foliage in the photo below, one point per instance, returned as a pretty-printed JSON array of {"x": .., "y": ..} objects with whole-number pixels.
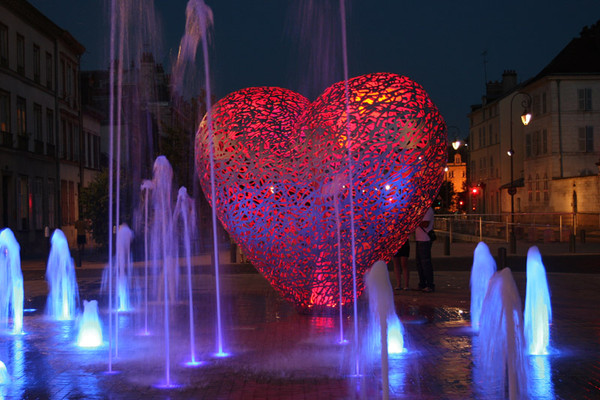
[
  {"x": 93, "y": 200},
  {"x": 446, "y": 198}
]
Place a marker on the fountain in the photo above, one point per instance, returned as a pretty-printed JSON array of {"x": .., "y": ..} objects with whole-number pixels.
[
  {"x": 538, "y": 310},
  {"x": 4, "y": 376},
  {"x": 185, "y": 223},
  {"x": 90, "y": 330},
  {"x": 484, "y": 266},
  {"x": 502, "y": 348},
  {"x": 63, "y": 296},
  {"x": 124, "y": 269},
  {"x": 11, "y": 282},
  {"x": 385, "y": 333}
]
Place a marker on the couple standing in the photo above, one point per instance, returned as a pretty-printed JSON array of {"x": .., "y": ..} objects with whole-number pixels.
[{"x": 423, "y": 256}]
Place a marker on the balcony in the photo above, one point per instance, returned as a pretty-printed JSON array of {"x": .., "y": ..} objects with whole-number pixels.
[
  {"x": 6, "y": 139},
  {"x": 23, "y": 142},
  {"x": 38, "y": 147}
]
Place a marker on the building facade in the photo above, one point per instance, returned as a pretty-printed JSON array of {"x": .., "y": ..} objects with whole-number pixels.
[
  {"x": 554, "y": 157},
  {"x": 43, "y": 148}
]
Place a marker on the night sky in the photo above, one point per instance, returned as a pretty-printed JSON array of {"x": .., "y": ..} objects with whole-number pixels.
[{"x": 438, "y": 43}]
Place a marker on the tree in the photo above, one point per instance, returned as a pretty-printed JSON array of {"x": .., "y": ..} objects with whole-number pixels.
[
  {"x": 93, "y": 201},
  {"x": 446, "y": 197}
]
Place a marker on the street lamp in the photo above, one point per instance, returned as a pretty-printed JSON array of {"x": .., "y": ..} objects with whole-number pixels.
[{"x": 512, "y": 190}]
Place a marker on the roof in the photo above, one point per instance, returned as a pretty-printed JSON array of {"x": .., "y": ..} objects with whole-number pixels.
[{"x": 580, "y": 56}]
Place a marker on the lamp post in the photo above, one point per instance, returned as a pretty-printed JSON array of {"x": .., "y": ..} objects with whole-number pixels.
[{"x": 512, "y": 190}]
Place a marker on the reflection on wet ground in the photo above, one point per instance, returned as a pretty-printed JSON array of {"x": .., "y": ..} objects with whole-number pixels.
[{"x": 277, "y": 353}]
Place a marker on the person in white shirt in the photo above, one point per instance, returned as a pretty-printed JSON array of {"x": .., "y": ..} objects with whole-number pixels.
[{"x": 423, "y": 252}]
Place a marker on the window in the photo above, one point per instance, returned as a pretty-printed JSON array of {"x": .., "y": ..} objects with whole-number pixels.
[
  {"x": 71, "y": 202},
  {"x": 536, "y": 105},
  {"x": 22, "y": 203},
  {"x": 50, "y": 126},
  {"x": 3, "y": 45},
  {"x": 528, "y": 145},
  {"x": 491, "y": 134},
  {"x": 535, "y": 148},
  {"x": 63, "y": 124},
  {"x": 49, "y": 70},
  {"x": 69, "y": 83},
  {"x": 21, "y": 116},
  {"x": 20, "y": 54},
  {"x": 75, "y": 142},
  {"x": 537, "y": 187},
  {"x": 64, "y": 203},
  {"x": 37, "y": 122},
  {"x": 483, "y": 143},
  {"x": 544, "y": 104},
  {"x": 529, "y": 188},
  {"x": 51, "y": 203},
  {"x": 584, "y": 97},
  {"x": 457, "y": 159},
  {"x": 38, "y": 139},
  {"x": 4, "y": 111},
  {"x": 546, "y": 193},
  {"x": 37, "y": 63},
  {"x": 492, "y": 166},
  {"x": 545, "y": 141},
  {"x": 96, "y": 152},
  {"x": 38, "y": 184},
  {"x": 63, "y": 74},
  {"x": 586, "y": 139}
]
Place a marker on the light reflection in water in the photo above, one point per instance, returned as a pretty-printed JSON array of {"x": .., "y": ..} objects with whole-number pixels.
[{"x": 540, "y": 383}]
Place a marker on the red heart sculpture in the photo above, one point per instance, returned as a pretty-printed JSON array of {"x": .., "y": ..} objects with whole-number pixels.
[{"x": 281, "y": 179}]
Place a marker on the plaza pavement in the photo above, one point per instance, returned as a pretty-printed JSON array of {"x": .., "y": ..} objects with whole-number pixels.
[{"x": 279, "y": 354}]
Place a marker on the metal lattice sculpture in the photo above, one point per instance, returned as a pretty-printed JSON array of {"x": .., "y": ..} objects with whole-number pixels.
[{"x": 282, "y": 188}]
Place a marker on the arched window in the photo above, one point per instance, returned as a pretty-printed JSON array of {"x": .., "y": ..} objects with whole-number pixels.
[{"x": 457, "y": 159}]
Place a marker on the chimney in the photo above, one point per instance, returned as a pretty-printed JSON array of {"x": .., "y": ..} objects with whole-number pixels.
[{"x": 509, "y": 80}]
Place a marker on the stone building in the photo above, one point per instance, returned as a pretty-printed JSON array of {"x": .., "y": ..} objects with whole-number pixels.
[
  {"x": 45, "y": 148},
  {"x": 555, "y": 156}
]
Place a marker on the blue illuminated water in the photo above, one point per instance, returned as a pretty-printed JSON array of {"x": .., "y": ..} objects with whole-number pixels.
[
  {"x": 484, "y": 266},
  {"x": 538, "y": 310},
  {"x": 63, "y": 296},
  {"x": 124, "y": 268},
  {"x": 185, "y": 220},
  {"x": 90, "y": 330},
  {"x": 385, "y": 331},
  {"x": 502, "y": 347},
  {"x": 11, "y": 282}
]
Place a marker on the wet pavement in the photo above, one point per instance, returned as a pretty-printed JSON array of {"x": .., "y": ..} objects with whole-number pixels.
[{"x": 276, "y": 353}]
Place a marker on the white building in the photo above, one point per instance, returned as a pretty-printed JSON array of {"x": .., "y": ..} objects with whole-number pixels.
[{"x": 555, "y": 156}]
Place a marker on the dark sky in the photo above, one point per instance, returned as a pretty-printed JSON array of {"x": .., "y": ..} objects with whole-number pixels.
[{"x": 438, "y": 43}]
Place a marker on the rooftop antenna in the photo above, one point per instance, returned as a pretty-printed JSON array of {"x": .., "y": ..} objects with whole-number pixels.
[{"x": 484, "y": 54}]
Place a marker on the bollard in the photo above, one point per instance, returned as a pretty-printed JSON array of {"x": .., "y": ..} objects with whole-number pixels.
[
  {"x": 233, "y": 252},
  {"x": 501, "y": 258},
  {"x": 513, "y": 243},
  {"x": 582, "y": 235},
  {"x": 572, "y": 243},
  {"x": 447, "y": 245}
]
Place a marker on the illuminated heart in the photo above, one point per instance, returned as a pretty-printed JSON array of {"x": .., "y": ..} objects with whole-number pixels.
[{"x": 281, "y": 179}]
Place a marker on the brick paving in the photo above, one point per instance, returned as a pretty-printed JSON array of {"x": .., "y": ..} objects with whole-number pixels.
[{"x": 279, "y": 354}]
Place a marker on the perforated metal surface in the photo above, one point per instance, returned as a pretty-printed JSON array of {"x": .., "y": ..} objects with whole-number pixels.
[{"x": 281, "y": 164}]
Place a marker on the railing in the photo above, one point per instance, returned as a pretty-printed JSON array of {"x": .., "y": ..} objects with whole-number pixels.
[
  {"x": 38, "y": 146},
  {"x": 532, "y": 227},
  {"x": 23, "y": 142},
  {"x": 6, "y": 139}
]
